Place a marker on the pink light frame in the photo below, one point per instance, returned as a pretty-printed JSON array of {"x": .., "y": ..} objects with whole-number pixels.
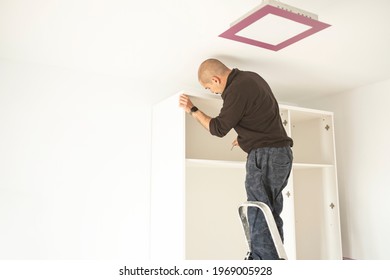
[{"x": 315, "y": 25}]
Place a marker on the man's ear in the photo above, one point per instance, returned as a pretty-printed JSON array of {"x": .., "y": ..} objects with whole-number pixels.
[{"x": 216, "y": 80}]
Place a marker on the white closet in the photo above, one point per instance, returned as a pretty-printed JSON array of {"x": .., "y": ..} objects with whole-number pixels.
[{"x": 198, "y": 184}]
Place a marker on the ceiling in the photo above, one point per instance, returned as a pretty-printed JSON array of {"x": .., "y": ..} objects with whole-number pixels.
[{"x": 164, "y": 41}]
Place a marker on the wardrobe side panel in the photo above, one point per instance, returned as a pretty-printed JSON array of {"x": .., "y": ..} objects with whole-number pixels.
[
  {"x": 168, "y": 181},
  {"x": 288, "y": 213}
]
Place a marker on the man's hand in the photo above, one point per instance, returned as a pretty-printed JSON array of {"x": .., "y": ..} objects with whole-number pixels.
[
  {"x": 202, "y": 118},
  {"x": 234, "y": 144},
  {"x": 185, "y": 103}
]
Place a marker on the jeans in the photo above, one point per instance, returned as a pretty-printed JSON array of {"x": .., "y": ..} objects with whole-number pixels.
[{"x": 267, "y": 173}]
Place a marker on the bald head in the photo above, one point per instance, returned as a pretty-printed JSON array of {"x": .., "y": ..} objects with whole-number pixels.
[{"x": 212, "y": 67}]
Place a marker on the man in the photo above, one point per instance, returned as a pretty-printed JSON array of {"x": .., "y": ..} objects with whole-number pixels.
[{"x": 250, "y": 108}]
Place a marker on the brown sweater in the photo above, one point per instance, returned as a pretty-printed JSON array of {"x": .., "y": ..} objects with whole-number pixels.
[{"x": 250, "y": 107}]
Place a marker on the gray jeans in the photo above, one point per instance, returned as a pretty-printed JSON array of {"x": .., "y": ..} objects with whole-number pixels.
[{"x": 267, "y": 173}]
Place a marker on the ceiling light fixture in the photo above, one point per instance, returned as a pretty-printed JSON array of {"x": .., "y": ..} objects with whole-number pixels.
[{"x": 274, "y": 25}]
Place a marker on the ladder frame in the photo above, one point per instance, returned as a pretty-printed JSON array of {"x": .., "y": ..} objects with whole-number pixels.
[{"x": 242, "y": 210}]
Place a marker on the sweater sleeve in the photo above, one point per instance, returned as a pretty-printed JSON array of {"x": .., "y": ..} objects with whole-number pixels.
[{"x": 232, "y": 111}]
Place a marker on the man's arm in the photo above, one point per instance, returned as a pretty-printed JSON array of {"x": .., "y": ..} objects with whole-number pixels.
[{"x": 202, "y": 118}]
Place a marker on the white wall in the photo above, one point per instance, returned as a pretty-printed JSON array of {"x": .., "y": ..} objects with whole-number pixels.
[
  {"x": 363, "y": 152},
  {"x": 74, "y": 165}
]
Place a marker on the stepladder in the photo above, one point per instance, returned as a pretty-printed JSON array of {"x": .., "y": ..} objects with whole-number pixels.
[{"x": 269, "y": 218}]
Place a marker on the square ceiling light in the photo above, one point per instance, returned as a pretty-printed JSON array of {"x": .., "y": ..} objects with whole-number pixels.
[{"x": 274, "y": 26}]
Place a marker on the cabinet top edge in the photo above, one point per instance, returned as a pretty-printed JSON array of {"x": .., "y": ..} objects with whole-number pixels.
[
  {"x": 218, "y": 97},
  {"x": 303, "y": 109},
  {"x": 204, "y": 95}
]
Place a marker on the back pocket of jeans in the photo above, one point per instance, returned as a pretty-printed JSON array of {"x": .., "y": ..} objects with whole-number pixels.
[{"x": 281, "y": 160}]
